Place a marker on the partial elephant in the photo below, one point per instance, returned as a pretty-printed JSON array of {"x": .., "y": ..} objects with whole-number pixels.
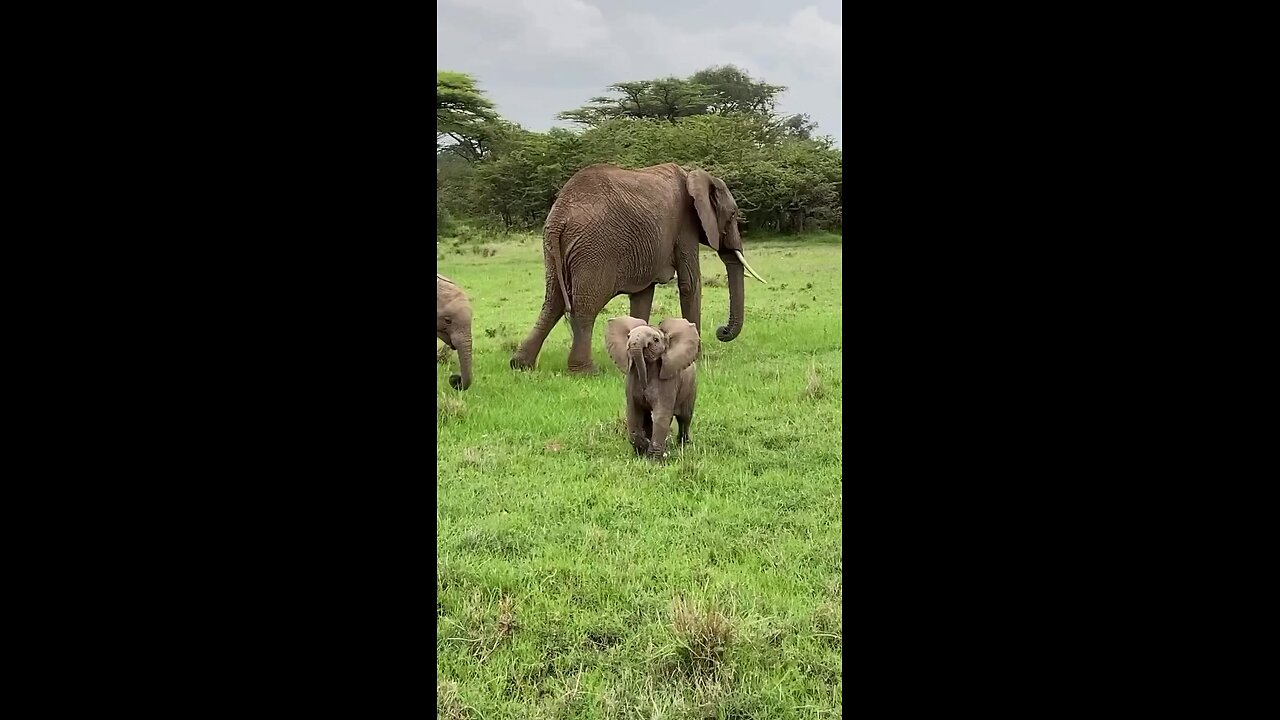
[
  {"x": 613, "y": 231},
  {"x": 453, "y": 326},
  {"x": 662, "y": 379}
]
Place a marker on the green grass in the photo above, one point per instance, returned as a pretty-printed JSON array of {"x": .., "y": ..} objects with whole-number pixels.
[{"x": 577, "y": 581}]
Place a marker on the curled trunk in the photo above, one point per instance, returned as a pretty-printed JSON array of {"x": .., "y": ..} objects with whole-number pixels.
[{"x": 725, "y": 333}]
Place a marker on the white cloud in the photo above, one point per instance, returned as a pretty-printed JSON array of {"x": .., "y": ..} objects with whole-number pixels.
[
  {"x": 667, "y": 49},
  {"x": 568, "y": 26},
  {"x": 564, "y": 27},
  {"x": 816, "y": 40}
]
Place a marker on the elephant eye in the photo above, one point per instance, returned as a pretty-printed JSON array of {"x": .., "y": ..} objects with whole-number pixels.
[{"x": 448, "y": 320}]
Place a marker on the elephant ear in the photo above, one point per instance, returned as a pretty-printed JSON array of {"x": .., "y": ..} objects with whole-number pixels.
[
  {"x": 703, "y": 190},
  {"x": 682, "y": 346},
  {"x": 616, "y": 331}
]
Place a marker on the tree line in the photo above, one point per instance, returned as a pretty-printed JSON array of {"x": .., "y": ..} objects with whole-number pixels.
[{"x": 784, "y": 176}]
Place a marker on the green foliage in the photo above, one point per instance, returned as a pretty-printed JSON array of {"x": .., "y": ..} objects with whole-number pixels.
[
  {"x": 732, "y": 90},
  {"x": 444, "y": 222},
  {"x": 459, "y": 103},
  {"x": 800, "y": 125},
  {"x": 719, "y": 119},
  {"x": 508, "y": 184},
  {"x": 576, "y": 581},
  {"x": 464, "y": 115},
  {"x": 663, "y": 99}
]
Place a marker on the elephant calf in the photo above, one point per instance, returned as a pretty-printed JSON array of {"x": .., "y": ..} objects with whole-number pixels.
[
  {"x": 453, "y": 326},
  {"x": 662, "y": 379}
]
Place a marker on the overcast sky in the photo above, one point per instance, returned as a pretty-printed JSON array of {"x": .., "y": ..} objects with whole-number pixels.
[{"x": 534, "y": 58}]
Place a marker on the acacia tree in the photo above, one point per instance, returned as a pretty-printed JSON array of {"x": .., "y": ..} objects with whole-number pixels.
[
  {"x": 722, "y": 90},
  {"x": 731, "y": 90},
  {"x": 718, "y": 90},
  {"x": 665, "y": 98},
  {"x": 464, "y": 115}
]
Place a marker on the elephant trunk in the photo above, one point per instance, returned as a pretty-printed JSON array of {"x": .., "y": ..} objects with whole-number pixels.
[
  {"x": 462, "y": 343},
  {"x": 637, "y": 362},
  {"x": 733, "y": 267}
]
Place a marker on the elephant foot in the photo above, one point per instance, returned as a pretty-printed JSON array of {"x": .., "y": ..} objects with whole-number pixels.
[
  {"x": 640, "y": 444},
  {"x": 588, "y": 369},
  {"x": 656, "y": 455},
  {"x": 520, "y": 361},
  {"x": 685, "y": 441}
]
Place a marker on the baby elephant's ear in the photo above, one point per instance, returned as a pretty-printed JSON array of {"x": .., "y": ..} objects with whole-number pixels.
[
  {"x": 682, "y": 346},
  {"x": 616, "y": 331}
]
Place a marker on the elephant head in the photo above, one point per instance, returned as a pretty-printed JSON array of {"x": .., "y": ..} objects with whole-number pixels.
[
  {"x": 633, "y": 343},
  {"x": 453, "y": 327},
  {"x": 718, "y": 213}
]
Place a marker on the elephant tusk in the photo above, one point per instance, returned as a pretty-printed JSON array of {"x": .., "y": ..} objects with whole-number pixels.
[{"x": 747, "y": 265}]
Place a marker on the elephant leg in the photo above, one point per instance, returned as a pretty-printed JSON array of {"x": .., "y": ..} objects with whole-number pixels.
[
  {"x": 642, "y": 303},
  {"x": 580, "y": 354},
  {"x": 552, "y": 309},
  {"x": 661, "y": 428},
  {"x": 684, "y": 421},
  {"x": 690, "y": 287},
  {"x": 636, "y": 429}
]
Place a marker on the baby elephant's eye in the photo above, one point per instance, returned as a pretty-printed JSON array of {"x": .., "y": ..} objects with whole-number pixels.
[{"x": 448, "y": 321}]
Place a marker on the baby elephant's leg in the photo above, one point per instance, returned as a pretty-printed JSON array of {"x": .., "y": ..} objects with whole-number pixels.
[
  {"x": 684, "y": 421},
  {"x": 646, "y": 418},
  {"x": 661, "y": 428},
  {"x": 684, "y": 407},
  {"x": 635, "y": 429}
]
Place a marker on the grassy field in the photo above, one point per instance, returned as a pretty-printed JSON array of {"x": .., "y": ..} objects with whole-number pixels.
[{"x": 577, "y": 581}]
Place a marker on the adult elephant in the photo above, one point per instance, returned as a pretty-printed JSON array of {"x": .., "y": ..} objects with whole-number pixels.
[{"x": 613, "y": 231}]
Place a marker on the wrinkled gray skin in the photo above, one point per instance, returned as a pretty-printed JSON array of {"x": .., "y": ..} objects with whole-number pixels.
[
  {"x": 453, "y": 327},
  {"x": 614, "y": 231},
  {"x": 662, "y": 380}
]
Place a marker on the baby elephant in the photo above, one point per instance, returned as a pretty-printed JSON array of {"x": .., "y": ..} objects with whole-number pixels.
[
  {"x": 661, "y": 377},
  {"x": 453, "y": 326}
]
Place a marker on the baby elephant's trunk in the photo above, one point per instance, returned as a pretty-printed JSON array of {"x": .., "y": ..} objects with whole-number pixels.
[{"x": 637, "y": 362}]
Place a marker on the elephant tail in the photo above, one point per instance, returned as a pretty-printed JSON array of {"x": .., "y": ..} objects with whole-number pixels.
[{"x": 557, "y": 263}]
